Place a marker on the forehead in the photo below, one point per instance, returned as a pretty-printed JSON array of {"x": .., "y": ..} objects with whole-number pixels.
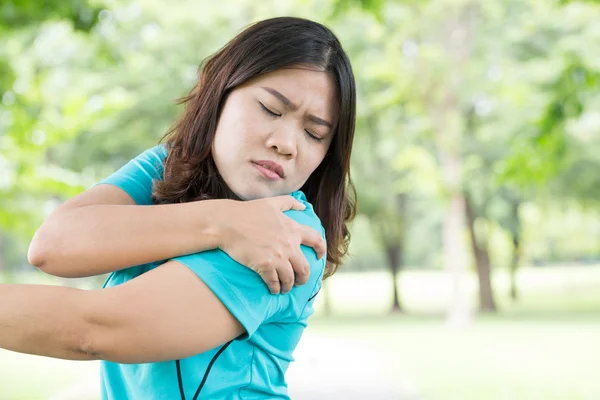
[{"x": 310, "y": 88}]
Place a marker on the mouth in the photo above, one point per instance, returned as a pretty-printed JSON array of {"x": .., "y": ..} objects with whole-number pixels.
[{"x": 270, "y": 169}]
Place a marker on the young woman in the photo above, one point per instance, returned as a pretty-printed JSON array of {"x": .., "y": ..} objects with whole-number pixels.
[{"x": 199, "y": 276}]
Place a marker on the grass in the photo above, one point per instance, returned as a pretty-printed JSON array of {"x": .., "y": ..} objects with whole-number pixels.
[
  {"x": 543, "y": 347},
  {"x": 27, "y": 377},
  {"x": 494, "y": 359},
  {"x": 557, "y": 291}
]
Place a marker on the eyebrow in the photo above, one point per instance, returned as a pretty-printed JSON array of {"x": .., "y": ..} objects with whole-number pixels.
[{"x": 291, "y": 106}]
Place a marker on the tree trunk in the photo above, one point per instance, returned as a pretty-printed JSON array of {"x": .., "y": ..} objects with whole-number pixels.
[
  {"x": 5, "y": 274},
  {"x": 516, "y": 258},
  {"x": 482, "y": 262},
  {"x": 445, "y": 110},
  {"x": 448, "y": 127},
  {"x": 454, "y": 261},
  {"x": 2, "y": 267},
  {"x": 327, "y": 309},
  {"x": 514, "y": 293},
  {"x": 394, "y": 254}
]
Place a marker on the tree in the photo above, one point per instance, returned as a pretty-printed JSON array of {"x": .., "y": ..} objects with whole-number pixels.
[
  {"x": 381, "y": 200},
  {"x": 17, "y": 14},
  {"x": 23, "y": 182}
]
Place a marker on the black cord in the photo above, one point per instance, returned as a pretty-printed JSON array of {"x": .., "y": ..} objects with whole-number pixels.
[
  {"x": 221, "y": 350},
  {"x": 314, "y": 295},
  {"x": 180, "y": 380},
  {"x": 205, "y": 377}
]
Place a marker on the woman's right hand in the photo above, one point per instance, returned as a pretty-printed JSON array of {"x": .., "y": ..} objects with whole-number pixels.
[{"x": 257, "y": 234}]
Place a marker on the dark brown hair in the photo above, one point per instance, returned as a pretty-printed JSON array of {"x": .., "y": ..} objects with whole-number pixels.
[{"x": 190, "y": 171}]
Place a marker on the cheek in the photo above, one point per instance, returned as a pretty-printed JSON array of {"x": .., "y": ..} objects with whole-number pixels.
[
  {"x": 230, "y": 134},
  {"x": 224, "y": 148},
  {"x": 312, "y": 160},
  {"x": 240, "y": 127}
]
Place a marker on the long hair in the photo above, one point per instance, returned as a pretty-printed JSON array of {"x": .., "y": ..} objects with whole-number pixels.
[{"x": 190, "y": 172}]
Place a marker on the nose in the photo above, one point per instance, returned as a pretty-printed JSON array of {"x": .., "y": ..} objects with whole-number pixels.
[{"x": 283, "y": 140}]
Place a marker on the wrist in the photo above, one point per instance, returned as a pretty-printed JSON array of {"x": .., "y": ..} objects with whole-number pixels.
[{"x": 217, "y": 224}]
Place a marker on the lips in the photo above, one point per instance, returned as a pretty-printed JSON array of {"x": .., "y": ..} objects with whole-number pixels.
[{"x": 272, "y": 166}]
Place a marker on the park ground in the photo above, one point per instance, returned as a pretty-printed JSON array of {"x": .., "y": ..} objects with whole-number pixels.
[{"x": 543, "y": 347}]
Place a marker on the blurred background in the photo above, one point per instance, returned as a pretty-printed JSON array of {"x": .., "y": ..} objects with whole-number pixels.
[{"x": 475, "y": 261}]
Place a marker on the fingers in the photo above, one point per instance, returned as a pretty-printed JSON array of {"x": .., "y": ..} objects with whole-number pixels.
[
  {"x": 311, "y": 238},
  {"x": 271, "y": 279},
  {"x": 286, "y": 277},
  {"x": 289, "y": 203},
  {"x": 296, "y": 205},
  {"x": 300, "y": 267},
  {"x": 279, "y": 279},
  {"x": 286, "y": 265}
]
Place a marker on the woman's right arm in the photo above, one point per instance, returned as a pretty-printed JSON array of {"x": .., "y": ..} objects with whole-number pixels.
[{"x": 103, "y": 230}]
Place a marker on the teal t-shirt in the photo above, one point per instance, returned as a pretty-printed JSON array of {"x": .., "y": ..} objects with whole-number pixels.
[{"x": 252, "y": 366}]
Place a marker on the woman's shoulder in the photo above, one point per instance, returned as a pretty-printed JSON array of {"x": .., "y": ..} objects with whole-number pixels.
[
  {"x": 158, "y": 152},
  {"x": 150, "y": 162},
  {"x": 308, "y": 216}
]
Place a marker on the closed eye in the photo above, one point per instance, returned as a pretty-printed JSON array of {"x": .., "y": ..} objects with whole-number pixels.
[
  {"x": 274, "y": 114},
  {"x": 313, "y": 137},
  {"x": 269, "y": 112}
]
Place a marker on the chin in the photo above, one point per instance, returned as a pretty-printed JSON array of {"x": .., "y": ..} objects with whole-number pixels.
[
  {"x": 252, "y": 194},
  {"x": 255, "y": 193}
]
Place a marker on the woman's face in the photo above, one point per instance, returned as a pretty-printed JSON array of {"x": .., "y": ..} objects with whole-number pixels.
[{"x": 274, "y": 131}]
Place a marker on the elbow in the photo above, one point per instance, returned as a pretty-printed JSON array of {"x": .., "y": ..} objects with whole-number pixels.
[
  {"x": 101, "y": 339},
  {"x": 37, "y": 254},
  {"x": 87, "y": 349},
  {"x": 82, "y": 343},
  {"x": 41, "y": 253}
]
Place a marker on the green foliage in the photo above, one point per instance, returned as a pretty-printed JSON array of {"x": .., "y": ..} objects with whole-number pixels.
[
  {"x": 373, "y": 7},
  {"x": 15, "y": 14},
  {"x": 84, "y": 90},
  {"x": 548, "y": 150}
]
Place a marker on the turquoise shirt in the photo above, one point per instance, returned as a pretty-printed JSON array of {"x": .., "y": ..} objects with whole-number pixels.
[{"x": 252, "y": 366}]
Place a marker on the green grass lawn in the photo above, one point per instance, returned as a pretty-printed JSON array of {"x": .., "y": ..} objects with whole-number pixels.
[
  {"x": 544, "y": 347},
  {"x": 495, "y": 359}
]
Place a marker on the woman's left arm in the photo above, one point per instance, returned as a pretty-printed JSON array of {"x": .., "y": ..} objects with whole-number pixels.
[
  {"x": 184, "y": 307},
  {"x": 165, "y": 314}
]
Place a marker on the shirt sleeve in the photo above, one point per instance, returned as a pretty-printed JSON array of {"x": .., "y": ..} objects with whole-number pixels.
[
  {"x": 243, "y": 291},
  {"x": 137, "y": 176}
]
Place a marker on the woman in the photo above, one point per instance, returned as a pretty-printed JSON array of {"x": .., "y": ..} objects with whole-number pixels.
[{"x": 272, "y": 114}]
